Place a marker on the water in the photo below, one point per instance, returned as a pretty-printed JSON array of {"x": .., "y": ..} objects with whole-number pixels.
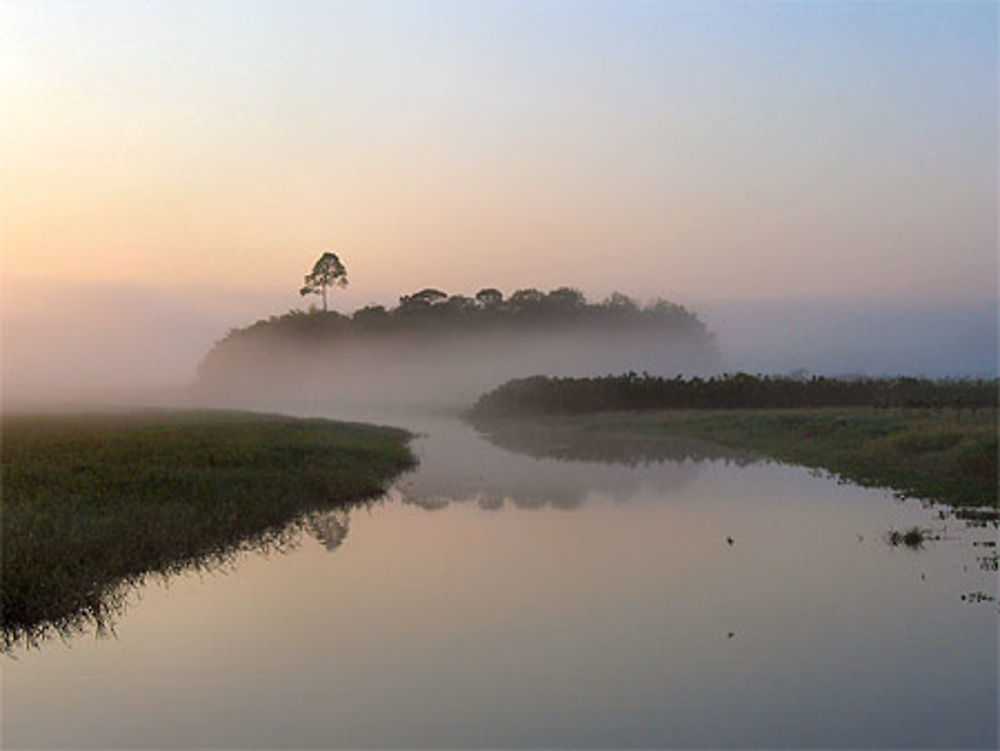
[{"x": 503, "y": 597}]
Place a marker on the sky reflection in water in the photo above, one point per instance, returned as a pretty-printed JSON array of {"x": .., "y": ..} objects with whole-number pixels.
[{"x": 603, "y": 607}]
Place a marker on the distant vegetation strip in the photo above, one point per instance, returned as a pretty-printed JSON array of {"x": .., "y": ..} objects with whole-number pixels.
[
  {"x": 91, "y": 503},
  {"x": 946, "y": 456},
  {"x": 929, "y": 439},
  {"x": 545, "y": 395},
  {"x": 431, "y": 311}
]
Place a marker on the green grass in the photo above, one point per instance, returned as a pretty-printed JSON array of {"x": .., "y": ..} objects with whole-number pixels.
[
  {"x": 940, "y": 455},
  {"x": 92, "y": 503}
]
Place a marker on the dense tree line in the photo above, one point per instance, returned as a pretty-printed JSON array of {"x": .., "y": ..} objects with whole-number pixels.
[
  {"x": 433, "y": 348},
  {"x": 432, "y": 311},
  {"x": 544, "y": 395}
]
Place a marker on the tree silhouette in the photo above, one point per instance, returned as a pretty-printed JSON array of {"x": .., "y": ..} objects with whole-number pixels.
[
  {"x": 489, "y": 298},
  {"x": 327, "y": 271}
]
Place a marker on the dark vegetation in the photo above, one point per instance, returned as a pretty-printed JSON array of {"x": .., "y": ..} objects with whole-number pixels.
[
  {"x": 435, "y": 349},
  {"x": 935, "y": 440},
  {"x": 913, "y": 538},
  {"x": 91, "y": 504},
  {"x": 431, "y": 311},
  {"x": 545, "y": 395},
  {"x": 326, "y": 272},
  {"x": 574, "y": 439}
]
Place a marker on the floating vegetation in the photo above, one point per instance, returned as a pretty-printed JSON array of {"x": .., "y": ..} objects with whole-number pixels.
[
  {"x": 913, "y": 538},
  {"x": 978, "y": 596}
]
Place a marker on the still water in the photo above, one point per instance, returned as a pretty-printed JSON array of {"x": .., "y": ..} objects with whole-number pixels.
[{"x": 543, "y": 589}]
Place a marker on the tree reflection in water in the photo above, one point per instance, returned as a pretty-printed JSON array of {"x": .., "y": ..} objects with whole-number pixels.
[
  {"x": 504, "y": 462},
  {"x": 553, "y": 464},
  {"x": 329, "y": 528}
]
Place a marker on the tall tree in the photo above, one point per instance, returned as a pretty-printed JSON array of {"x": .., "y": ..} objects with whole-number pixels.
[{"x": 327, "y": 271}]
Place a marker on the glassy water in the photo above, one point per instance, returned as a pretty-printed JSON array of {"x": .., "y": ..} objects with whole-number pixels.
[{"x": 540, "y": 589}]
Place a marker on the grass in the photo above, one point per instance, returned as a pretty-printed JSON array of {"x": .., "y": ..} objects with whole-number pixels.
[
  {"x": 946, "y": 455},
  {"x": 92, "y": 503}
]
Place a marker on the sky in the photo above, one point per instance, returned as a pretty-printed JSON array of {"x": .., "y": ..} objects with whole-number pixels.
[{"x": 180, "y": 165}]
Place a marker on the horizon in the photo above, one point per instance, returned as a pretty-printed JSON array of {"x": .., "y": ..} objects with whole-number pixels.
[
  {"x": 176, "y": 168},
  {"x": 717, "y": 469}
]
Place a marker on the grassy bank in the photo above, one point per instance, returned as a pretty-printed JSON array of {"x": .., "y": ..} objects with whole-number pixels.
[
  {"x": 933, "y": 439},
  {"x": 92, "y": 502},
  {"x": 942, "y": 455}
]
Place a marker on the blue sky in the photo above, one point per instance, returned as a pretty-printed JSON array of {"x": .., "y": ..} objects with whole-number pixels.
[{"x": 711, "y": 153}]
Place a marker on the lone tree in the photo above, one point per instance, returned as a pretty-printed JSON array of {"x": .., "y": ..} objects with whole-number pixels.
[{"x": 327, "y": 271}]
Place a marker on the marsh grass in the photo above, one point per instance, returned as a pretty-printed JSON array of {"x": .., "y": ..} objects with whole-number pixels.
[
  {"x": 92, "y": 504},
  {"x": 943, "y": 455}
]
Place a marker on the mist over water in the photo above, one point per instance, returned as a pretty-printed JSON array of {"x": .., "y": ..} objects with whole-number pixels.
[
  {"x": 435, "y": 372},
  {"x": 107, "y": 345},
  {"x": 810, "y": 187}
]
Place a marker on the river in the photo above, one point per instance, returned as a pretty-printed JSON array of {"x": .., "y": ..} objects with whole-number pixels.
[{"x": 531, "y": 590}]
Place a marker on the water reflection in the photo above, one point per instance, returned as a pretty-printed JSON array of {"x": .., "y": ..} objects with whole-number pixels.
[
  {"x": 630, "y": 622},
  {"x": 498, "y": 464},
  {"x": 329, "y": 528},
  {"x": 109, "y": 605},
  {"x": 565, "y": 440},
  {"x": 528, "y": 465}
]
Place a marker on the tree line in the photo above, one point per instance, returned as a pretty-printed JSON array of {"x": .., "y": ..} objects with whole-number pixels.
[
  {"x": 545, "y": 395},
  {"x": 431, "y": 310}
]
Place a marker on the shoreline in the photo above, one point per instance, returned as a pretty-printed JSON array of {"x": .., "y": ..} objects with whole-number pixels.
[
  {"x": 947, "y": 456},
  {"x": 93, "y": 503}
]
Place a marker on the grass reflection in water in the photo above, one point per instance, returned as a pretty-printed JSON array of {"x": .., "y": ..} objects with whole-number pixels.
[{"x": 93, "y": 504}]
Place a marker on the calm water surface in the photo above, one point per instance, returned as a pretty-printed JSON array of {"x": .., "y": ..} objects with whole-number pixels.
[{"x": 537, "y": 590}]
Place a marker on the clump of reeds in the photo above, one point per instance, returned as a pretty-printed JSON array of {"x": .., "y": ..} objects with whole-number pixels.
[{"x": 913, "y": 538}]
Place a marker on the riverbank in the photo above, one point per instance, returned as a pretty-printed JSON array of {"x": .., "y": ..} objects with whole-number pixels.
[
  {"x": 92, "y": 503},
  {"x": 946, "y": 455}
]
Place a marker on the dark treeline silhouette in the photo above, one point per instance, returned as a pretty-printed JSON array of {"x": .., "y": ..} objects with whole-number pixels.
[
  {"x": 546, "y": 395},
  {"x": 434, "y": 347},
  {"x": 433, "y": 311}
]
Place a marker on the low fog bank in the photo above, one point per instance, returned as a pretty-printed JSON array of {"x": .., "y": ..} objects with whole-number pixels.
[
  {"x": 101, "y": 346},
  {"x": 848, "y": 338},
  {"x": 774, "y": 338},
  {"x": 90, "y": 346},
  {"x": 439, "y": 373}
]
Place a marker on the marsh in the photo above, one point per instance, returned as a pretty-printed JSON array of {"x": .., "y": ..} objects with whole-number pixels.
[{"x": 547, "y": 591}]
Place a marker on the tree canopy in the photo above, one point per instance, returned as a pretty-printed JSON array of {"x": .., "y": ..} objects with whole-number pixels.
[
  {"x": 431, "y": 310},
  {"x": 327, "y": 271}
]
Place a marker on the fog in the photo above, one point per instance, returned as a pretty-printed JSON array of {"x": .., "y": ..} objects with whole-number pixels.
[
  {"x": 717, "y": 154},
  {"x": 851, "y": 337},
  {"x": 438, "y": 372},
  {"x": 101, "y": 346},
  {"x": 96, "y": 345}
]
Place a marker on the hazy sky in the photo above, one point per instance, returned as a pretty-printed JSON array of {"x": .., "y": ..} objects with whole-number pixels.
[{"x": 700, "y": 151}]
